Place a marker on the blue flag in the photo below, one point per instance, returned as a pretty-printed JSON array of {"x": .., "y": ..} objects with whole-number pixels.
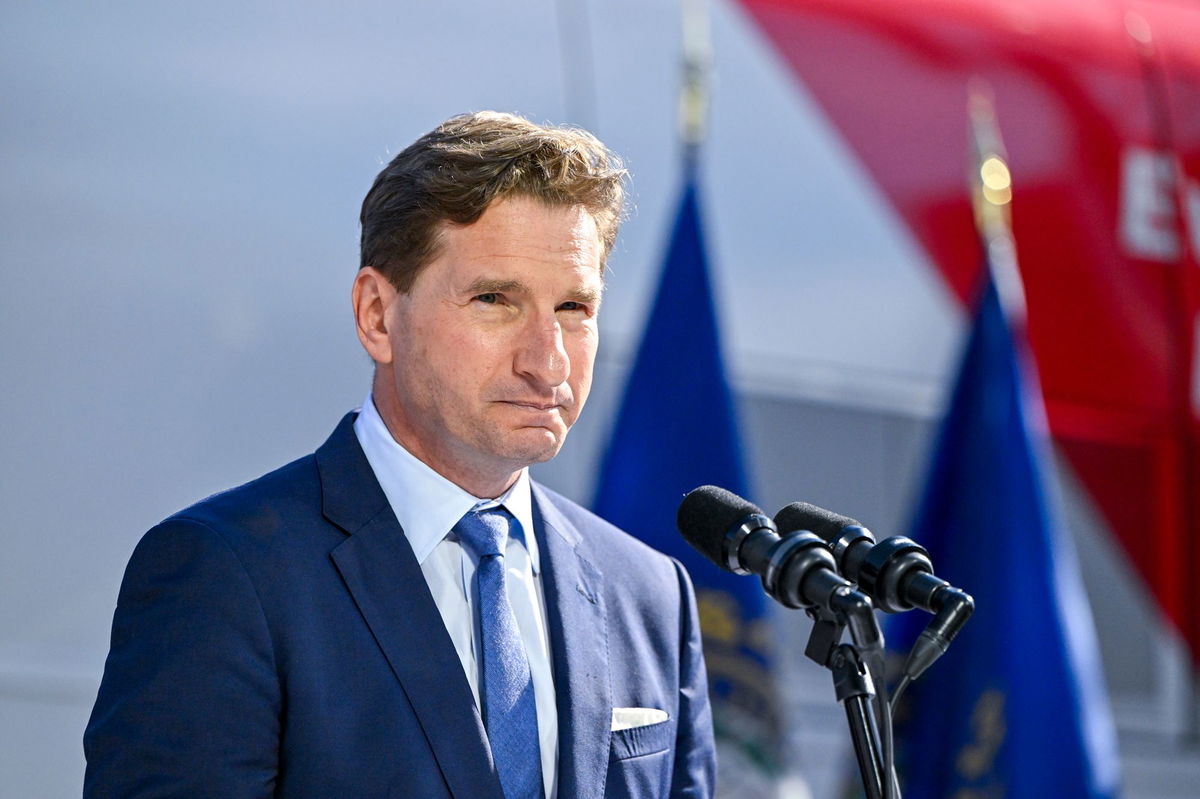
[
  {"x": 676, "y": 430},
  {"x": 1017, "y": 707}
]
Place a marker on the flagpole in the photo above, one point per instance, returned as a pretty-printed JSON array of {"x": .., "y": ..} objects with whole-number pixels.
[
  {"x": 697, "y": 69},
  {"x": 578, "y": 65},
  {"x": 991, "y": 195}
]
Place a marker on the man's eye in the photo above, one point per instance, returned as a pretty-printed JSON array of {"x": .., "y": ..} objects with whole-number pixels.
[
  {"x": 571, "y": 305},
  {"x": 490, "y": 297}
]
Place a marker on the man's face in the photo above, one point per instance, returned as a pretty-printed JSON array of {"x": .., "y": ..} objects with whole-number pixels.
[{"x": 493, "y": 345}]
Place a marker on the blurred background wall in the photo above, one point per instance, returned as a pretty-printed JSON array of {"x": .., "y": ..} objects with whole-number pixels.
[{"x": 179, "y": 232}]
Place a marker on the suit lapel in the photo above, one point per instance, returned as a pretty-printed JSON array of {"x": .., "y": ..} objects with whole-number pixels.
[
  {"x": 382, "y": 574},
  {"x": 575, "y": 602}
]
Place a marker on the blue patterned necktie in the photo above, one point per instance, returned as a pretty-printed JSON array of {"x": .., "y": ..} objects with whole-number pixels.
[{"x": 506, "y": 694}]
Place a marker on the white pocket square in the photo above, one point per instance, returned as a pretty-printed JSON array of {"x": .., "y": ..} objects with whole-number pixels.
[{"x": 626, "y": 718}]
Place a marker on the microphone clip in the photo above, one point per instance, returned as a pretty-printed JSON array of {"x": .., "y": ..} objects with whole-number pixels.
[{"x": 731, "y": 547}]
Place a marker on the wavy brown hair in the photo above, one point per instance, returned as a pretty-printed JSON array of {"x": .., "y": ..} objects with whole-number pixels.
[{"x": 454, "y": 172}]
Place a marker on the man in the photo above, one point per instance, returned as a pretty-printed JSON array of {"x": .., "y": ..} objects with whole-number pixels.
[{"x": 404, "y": 613}]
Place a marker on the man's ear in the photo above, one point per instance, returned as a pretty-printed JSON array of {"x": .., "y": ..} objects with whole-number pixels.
[{"x": 371, "y": 297}]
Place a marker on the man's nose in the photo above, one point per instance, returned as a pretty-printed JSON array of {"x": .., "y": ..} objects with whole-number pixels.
[{"x": 541, "y": 355}]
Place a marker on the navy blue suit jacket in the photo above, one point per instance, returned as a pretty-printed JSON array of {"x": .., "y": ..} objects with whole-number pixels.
[{"x": 280, "y": 640}]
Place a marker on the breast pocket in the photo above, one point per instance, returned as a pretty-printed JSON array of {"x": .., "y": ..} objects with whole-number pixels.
[
  {"x": 650, "y": 739},
  {"x": 640, "y": 761}
]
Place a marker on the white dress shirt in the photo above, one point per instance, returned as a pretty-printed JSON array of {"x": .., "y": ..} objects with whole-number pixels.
[{"x": 428, "y": 506}]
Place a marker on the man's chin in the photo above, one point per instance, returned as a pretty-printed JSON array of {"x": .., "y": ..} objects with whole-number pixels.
[{"x": 531, "y": 445}]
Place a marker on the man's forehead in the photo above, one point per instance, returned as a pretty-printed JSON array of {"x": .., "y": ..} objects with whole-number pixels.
[{"x": 528, "y": 227}]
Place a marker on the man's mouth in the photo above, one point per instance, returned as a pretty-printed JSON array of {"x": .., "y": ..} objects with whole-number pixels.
[{"x": 534, "y": 406}]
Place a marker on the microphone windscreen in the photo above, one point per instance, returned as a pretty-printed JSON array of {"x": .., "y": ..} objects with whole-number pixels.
[
  {"x": 706, "y": 514},
  {"x": 804, "y": 516}
]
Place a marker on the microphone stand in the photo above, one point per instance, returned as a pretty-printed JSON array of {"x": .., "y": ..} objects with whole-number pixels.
[{"x": 853, "y": 685}]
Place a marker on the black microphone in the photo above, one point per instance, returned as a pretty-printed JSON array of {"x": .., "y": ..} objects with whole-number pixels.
[
  {"x": 895, "y": 572},
  {"x": 798, "y": 571}
]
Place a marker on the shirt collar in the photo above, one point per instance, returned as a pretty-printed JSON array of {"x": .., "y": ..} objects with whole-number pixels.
[{"x": 425, "y": 503}]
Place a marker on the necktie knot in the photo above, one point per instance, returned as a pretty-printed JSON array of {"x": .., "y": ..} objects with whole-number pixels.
[{"x": 485, "y": 532}]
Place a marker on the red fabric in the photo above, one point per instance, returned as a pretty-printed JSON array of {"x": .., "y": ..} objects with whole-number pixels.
[{"x": 1076, "y": 92}]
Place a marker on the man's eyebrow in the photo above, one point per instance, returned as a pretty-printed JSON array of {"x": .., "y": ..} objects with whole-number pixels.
[
  {"x": 485, "y": 285},
  {"x": 586, "y": 294}
]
